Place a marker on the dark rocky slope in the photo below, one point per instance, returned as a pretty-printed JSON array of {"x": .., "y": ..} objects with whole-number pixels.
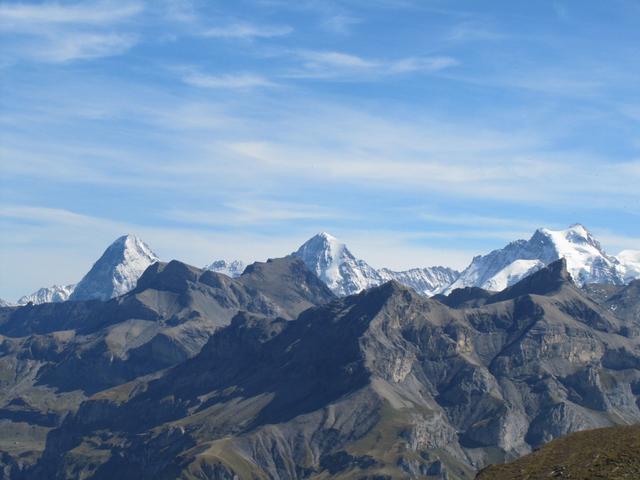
[
  {"x": 623, "y": 301},
  {"x": 384, "y": 384},
  {"x": 52, "y": 356}
]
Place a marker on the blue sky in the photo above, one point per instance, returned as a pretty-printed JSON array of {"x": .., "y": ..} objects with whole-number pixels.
[{"x": 419, "y": 132}]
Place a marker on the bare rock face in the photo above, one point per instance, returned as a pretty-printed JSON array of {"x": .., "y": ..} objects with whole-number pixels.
[{"x": 383, "y": 384}]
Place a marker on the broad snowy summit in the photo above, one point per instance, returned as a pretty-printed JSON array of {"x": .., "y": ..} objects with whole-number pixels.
[{"x": 587, "y": 262}]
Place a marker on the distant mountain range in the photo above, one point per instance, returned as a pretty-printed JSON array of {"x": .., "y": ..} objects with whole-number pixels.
[
  {"x": 194, "y": 374},
  {"x": 118, "y": 269},
  {"x": 587, "y": 262}
]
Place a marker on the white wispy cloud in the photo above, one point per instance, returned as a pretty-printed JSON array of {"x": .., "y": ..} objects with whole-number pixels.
[
  {"x": 57, "y": 33},
  {"x": 255, "y": 212},
  {"x": 474, "y": 31},
  {"x": 233, "y": 81},
  {"x": 82, "y": 46},
  {"x": 23, "y": 16},
  {"x": 340, "y": 23},
  {"x": 479, "y": 220},
  {"x": 246, "y": 30},
  {"x": 426, "y": 64},
  {"x": 333, "y": 64},
  {"x": 317, "y": 59}
]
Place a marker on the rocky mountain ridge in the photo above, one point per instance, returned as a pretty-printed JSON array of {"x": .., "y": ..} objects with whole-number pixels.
[
  {"x": 54, "y": 356},
  {"x": 386, "y": 382}
]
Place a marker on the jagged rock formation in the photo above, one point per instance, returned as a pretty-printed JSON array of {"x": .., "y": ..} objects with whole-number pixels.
[
  {"x": 426, "y": 281},
  {"x": 116, "y": 271},
  {"x": 345, "y": 274},
  {"x": 54, "y": 294},
  {"x": 383, "y": 384},
  {"x": 53, "y": 356},
  {"x": 587, "y": 262}
]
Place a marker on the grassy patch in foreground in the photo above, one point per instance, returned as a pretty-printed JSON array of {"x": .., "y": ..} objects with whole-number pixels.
[{"x": 605, "y": 453}]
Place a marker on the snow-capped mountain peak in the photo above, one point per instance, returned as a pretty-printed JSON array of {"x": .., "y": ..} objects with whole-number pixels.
[
  {"x": 233, "y": 268},
  {"x": 344, "y": 274},
  {"x": 117, "y": 271},
  {"x": 587, "y": 262},
  {"x": 335, "y": 265}
]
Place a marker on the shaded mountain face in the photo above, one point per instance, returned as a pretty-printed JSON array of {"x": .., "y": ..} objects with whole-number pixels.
[
  {"x": 612, "y": 453},
  {"x": 587, "y": 262},
  {"x": 345, "y": 274},
  {"x": 116, "y": 271},
  {"x": 53, "y": 356},
  {"x": 385, "y": 382},
  {"x": 621, "y": 301}
]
